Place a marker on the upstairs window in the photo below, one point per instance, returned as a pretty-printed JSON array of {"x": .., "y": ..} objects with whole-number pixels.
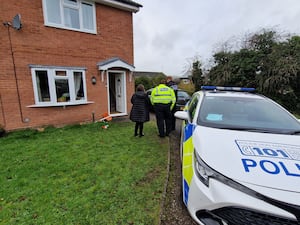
[
  {"x": 58, "y": 86},
  {"x": 70, "y": 14}
]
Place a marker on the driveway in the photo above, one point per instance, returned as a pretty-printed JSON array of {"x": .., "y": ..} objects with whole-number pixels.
[{"x": 174, "y": 211}]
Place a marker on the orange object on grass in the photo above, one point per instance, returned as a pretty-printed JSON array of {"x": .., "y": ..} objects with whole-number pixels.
[{"x": 106, "y": 116}]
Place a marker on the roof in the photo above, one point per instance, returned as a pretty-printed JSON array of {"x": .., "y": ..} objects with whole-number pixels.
[
  {"x": 146, "y": 74},
  {"x": 126, "y": 5}
]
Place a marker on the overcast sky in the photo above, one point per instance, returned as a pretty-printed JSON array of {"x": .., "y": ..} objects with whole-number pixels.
[{"x": 168, "y": 34}]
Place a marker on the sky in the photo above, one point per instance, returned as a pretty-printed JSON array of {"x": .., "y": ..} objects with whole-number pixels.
[{"x": 170, "y": 34}]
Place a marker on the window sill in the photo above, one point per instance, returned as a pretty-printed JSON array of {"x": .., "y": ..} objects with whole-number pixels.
[
  {"x": 61, "y": 104},
  {"x": 70, "y": 28}
]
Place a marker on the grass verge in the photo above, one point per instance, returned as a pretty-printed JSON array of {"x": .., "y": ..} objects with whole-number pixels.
[{"x": 82, "y": 175}]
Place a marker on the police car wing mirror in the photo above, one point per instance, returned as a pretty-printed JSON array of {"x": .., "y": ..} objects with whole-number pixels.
[{"x": 183, "y": 115}]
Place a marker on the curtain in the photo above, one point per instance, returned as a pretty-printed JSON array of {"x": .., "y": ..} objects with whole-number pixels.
[
  {"x": 77, "y": 82},
  {"x": 71, "y": 17},
  {"x": 87, "y": 16},
  {"x": 38, "y": 87}
]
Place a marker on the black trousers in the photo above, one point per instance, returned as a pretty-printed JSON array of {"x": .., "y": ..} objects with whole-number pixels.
[
  {"x": 138, "y": 128},
  {"x": 163, "y": 119}
]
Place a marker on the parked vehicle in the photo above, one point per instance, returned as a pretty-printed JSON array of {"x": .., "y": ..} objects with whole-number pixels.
[
  {"x": 240, "y": 156},
  {"x": 182, "y": 98}
]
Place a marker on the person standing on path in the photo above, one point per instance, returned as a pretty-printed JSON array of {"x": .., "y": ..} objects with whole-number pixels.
[
  {"x": 163, "y": 100},
  {"x": 140, "y": 110}
]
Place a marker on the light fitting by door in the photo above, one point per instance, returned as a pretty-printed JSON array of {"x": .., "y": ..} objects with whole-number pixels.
[{"x": 94, "y": 80}]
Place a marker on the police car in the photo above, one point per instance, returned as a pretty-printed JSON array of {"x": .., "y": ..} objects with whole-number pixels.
[{"x": 240, "y": 159}]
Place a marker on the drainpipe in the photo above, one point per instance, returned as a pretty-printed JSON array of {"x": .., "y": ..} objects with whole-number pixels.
[{"x": 8, "y": 25}]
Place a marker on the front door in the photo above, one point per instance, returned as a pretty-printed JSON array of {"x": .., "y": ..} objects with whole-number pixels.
[{"x": 117, "y": 93}]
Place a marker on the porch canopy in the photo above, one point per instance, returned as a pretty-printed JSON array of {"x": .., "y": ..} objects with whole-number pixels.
[{"x": 114, "y": 63}]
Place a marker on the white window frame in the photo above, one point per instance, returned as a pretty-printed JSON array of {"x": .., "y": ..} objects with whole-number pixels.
[
  {"x": 78, "y": 6},
  {"x": 51, "y": 74}
]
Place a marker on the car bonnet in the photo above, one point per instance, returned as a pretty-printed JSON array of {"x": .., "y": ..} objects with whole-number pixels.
[{"x": 263, "y": 159}]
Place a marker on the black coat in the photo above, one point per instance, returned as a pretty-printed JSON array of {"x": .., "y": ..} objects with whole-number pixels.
[{"x": 140, "y": 107}]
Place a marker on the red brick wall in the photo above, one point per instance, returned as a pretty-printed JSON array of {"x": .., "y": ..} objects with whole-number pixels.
[{"x": 40, "y": 45}]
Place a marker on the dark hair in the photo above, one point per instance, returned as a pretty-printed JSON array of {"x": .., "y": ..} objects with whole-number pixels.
[
  {"x": 163, "y": 81},
  {"x": 140, "y": 87},
  {"x": 169, "y": 78}
]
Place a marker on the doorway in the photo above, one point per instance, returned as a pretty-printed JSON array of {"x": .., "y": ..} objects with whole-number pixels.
[{"x": 117, "y": 92}]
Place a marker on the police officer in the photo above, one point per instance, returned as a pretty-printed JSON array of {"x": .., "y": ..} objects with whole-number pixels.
[{"x": 163, "y": 100}]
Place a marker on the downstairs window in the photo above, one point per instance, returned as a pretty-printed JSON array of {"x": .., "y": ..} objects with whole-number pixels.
[{"x": 58, "y": 86}]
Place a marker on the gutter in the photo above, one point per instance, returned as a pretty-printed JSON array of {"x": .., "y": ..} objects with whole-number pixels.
[{"x": 126, "y": 5}]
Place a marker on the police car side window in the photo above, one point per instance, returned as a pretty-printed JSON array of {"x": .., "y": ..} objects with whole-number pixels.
[{"x": 192, "y": 107}]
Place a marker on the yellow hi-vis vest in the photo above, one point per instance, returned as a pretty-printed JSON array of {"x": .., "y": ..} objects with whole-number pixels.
[{"x": 164, "y": 95}]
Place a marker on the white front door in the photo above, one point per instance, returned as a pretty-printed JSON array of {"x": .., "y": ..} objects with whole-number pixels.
[{"x": 117, "y": 92}]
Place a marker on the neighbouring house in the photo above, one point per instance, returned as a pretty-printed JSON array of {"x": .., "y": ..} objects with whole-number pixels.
[
  {"x": 186, "y": 78},
  {"x": 65, "y": 61}
]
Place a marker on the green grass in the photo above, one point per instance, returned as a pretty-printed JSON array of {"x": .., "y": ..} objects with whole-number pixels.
[{"x": 82, "y": 175}]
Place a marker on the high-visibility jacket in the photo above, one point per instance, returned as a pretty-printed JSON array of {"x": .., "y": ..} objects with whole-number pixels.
[{"x": 164, "y": 95}]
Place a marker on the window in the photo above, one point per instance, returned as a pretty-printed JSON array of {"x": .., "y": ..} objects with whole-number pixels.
[
  {"x": 56, "y": 86},
  {"x": 70, "y": 14},
  {"x": 241, "y": 113},
  {"x": 192, "y": 107}
]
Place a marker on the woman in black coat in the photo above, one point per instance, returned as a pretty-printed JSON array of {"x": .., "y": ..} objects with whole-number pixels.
[{"x": 140, "y": 109}]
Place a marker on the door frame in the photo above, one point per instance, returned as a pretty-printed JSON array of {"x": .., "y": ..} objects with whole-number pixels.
[{"x": 122, "y": 74}]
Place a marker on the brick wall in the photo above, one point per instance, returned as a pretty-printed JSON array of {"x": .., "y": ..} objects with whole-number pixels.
[{"x": 40, "y": 45}]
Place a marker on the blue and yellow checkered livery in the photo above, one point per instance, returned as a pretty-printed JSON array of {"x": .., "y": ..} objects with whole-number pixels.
[{"x": 187, "y": 160}]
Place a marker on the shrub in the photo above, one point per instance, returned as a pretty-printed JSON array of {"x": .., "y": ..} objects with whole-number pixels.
[{"x": 2, "y": 130}]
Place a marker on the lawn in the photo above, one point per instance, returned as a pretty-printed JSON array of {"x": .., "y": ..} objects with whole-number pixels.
[{"x": 82, "y": 175}]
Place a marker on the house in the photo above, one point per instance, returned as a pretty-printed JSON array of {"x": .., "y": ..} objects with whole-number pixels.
[
  {"x": 186, "y": 78},
  {"x": 65, "y": 61}
]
